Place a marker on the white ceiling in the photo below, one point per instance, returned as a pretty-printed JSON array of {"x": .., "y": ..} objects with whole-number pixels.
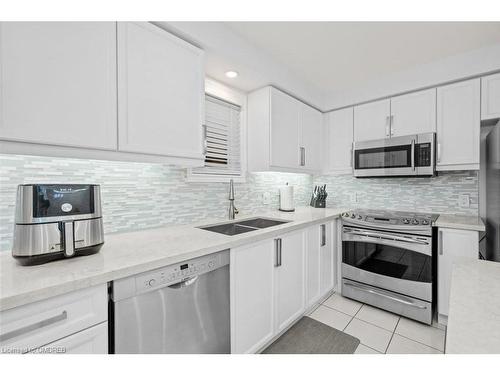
[{"x": 333, "y": 56}]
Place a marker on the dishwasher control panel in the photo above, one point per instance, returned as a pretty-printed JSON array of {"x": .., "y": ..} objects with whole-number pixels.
[{"x": 180, "y": 272}]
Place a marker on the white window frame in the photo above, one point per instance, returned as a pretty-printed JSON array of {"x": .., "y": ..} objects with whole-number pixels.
[{"x": 231, "y": 95}]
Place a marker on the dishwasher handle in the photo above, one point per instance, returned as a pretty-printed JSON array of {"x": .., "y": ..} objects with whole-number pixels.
[{"x": 184, "y": 283}]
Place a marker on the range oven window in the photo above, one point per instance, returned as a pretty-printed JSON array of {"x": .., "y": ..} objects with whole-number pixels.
[
  {"x": 383, "y": 157},
  {"x": 388, "y": 260}
]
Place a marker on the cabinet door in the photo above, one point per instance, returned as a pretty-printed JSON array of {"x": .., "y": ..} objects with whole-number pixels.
[
  {"x": 458, "y": 125},
  {"x": 58, "y": 83},
  {"x": 312, "y": 265},
  {"x": 339, "y": 137},
  {"x": 311, "y": 136},
  {"x": 413, "y": 113},
  {"x": 252, "y": 296},
  {"x": 328, "y": 243},
  {"x": 453, "y": 245},
  {"x": 290, "y": 280},
  {"x": 285, "y": 150},
  {"x": 92, "y": 340},
  {"x": 372, "y": 121},
  {"x": 490, "y": 97},
  {"x": 160, "y": 92}
]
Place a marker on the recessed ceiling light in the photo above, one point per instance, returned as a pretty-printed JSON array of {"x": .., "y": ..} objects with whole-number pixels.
[{"x": 231, "y": 74}]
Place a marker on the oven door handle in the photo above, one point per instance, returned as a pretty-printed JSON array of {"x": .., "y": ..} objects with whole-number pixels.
[
  {"x": 385, "y": 236},
  {"x": 386, "y": 295}
]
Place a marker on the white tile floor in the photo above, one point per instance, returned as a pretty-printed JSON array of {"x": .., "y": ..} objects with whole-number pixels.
[{"x": 379, "y": 331}]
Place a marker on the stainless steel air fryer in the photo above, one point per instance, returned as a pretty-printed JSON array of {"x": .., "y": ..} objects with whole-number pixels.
[{"x": 55, "y": 221}]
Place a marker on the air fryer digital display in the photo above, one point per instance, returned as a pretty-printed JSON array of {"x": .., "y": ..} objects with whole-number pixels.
[{"x": 62, "y": 200}]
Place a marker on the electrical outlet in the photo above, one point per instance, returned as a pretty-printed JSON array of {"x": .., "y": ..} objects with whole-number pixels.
[
  {"x": 266, "y": 198},
  {"x": 464, "y": 200}
]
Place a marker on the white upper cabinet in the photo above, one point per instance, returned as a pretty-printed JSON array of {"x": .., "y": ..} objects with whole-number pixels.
[
  {"x": 160, "y": 92},
  {"x": 372, "y": 120},
  {"x": 283, "y": 133},
  {"x": 284, "y": 130},
  {"x": 413, "y": 113},
  {"x": 458, "y": 125},
  {"x": 58, "y": 83},
  {"x": 490, "y": 97},
  {"x": 338, "y": 141},
  {"x": 311, "y": 135}
]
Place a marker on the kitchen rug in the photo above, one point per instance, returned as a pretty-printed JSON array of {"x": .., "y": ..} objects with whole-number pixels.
[{"x": 308, "y": 336}]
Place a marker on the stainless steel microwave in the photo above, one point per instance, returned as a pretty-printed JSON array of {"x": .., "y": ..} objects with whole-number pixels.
[{"x": 412, "y": 155}]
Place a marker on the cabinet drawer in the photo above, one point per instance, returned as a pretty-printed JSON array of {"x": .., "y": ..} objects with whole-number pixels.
[
  {"x": 34, "y": 325},
  {"x": 93, "y": 340}
]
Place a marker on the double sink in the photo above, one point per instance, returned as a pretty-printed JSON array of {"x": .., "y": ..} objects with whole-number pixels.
[{"x": 243, "y": 226}]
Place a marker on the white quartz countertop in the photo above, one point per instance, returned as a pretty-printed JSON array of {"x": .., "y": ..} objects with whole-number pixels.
[
  {"x": 467, "y": 222},
  {"x": 126, "y": 254},
  {"x": 474, "y": 313}
]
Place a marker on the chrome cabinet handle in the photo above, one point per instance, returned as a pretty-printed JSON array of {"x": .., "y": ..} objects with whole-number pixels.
[
  {"x": 439, "y": 153},
  {"x": 387, "y": 126},
  {"x": 397, "y": 299},
  {"x": 302, "y": 156},
  {"x": 32, "y": 327},
  {"x": 391, "y": 124},
  {"x": 186, "y": 282},
  {"x": 323, "y": 235},
  {"x": 277, "y": 248},
  {"x": 384, "y": 236},
  {"x": 352, "y": 155}
]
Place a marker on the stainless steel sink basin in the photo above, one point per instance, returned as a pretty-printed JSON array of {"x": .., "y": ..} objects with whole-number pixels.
[
  {"x": 260, "y": 222},
  {"x": 243, "y": 226}
]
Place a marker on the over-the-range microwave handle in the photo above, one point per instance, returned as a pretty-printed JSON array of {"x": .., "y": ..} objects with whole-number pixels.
[
  {"x": 413, "y": 154},
  {"x": 384, "y": 236}
]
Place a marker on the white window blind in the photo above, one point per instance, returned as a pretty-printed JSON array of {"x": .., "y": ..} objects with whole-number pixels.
[{"x": 222, "y": 121}]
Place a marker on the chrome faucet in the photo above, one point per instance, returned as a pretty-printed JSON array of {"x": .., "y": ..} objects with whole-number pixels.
[{"x": 232, "y": 210}]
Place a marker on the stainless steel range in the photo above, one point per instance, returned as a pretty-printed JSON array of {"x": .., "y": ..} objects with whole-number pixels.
[{"x": 387, "y": 261}]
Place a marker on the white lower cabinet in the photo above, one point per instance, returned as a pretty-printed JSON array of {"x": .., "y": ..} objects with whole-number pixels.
[
  {"x": 313, "y": 279},
  {"x": 453, "y": 245},
  {"x": 320, "y": 250},
  {"x": 327, "y": 261},
  {"x": 289, "y": 278},
  {"x": 252, "y": 296},
  {"x": 267, "y": 290},
  {"x": 274, "y": 282},
  {"x": 93, "y": 340},
  {"x": 66, "y": 318}
]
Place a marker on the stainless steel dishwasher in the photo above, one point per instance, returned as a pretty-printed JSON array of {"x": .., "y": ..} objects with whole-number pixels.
[{"x": 183, "y": 308}]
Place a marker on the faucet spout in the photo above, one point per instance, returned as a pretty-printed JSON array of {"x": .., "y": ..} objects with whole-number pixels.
[{"x": 232, "y": 209}]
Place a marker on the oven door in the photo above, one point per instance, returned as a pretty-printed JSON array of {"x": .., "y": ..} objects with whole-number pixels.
[
  {"x": 385, "y": 157},
  {"x": 398, "y": 262}
]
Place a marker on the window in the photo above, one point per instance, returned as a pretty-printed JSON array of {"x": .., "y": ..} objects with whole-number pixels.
[{"x": 223, "y": 143}]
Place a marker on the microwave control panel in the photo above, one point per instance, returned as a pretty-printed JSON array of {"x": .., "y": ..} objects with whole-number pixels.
[{"x": 423, "y": 155}]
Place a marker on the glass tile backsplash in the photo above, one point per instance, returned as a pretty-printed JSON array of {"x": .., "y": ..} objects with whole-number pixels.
[{"x": 145, "y": 195}]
